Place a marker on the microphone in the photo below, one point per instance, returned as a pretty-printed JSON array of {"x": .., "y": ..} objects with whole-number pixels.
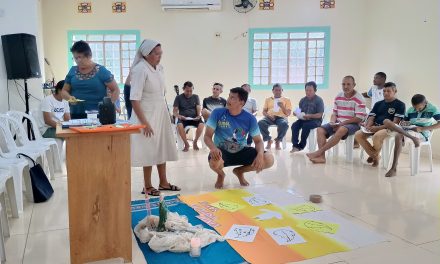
[{"x": 51, "y": 71}]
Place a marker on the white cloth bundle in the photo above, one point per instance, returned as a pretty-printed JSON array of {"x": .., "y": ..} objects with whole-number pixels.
[{"x": 178, "y": 236}]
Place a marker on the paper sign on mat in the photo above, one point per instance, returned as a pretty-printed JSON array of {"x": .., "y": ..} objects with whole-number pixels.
[
  {"x": 242, "y": 233},
  {"x": 256, "y": 200},
  {"x": 268, "y": 215},
  {"x": 302, "y": 208},
  {"x": 285, "y": 235},
  {"x": 228, "y": 206},
  {"x": 319, "y": 226}
]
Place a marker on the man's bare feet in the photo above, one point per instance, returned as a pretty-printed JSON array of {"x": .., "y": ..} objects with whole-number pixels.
[
  {"x": 416, "y": 142},
  {"x": 318, "y": 160},
  {"x": 240, "y": 176},
  {"x": 219, "y": 182},
  {"x": 195, "y": 147},
  {"x": 392, "y": 172},
  {"x": 277, "y": 145},
  {"x": 312, "y": 155},
  {"x": 186, "y": 147},
  {"x": 375, "y": 162},
  {"x": 269, "y": 144}
]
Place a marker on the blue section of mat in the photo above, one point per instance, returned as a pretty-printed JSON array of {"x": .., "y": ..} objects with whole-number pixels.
[{"x": 216, "y": 253}]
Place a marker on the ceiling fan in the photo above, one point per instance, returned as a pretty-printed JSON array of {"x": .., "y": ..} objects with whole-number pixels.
[{"x": 244, "y": 6}]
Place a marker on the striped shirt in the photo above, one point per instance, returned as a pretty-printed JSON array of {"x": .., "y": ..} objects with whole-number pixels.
[
  {"x": 347, "y": 108},
  {"x": 427, "y": 117}
]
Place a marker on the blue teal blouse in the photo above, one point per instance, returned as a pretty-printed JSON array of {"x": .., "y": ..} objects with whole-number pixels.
[{"x": 90, "y": 87}]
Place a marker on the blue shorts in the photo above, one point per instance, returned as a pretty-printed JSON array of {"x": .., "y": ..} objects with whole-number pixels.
[{"x": 352, "y": 128}]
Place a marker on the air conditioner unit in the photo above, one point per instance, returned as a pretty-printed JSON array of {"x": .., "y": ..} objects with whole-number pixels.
[{"x": 209, "y": 5}]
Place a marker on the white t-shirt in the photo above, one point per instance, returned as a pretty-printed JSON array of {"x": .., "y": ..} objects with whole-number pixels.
[
  {"x": 251, "y": 105},
  {"x": 376, "y": 95},
  {"x": 51, "y": 105}
]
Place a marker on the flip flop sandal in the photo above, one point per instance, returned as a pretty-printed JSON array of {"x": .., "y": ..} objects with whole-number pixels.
[
  {"x": 151, "y": 191},
  {"x": 170, "y": 188}
]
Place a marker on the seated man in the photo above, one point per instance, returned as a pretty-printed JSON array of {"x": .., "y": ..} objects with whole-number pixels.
[
  {"x": 230, "y": 127},
  {"x": 348, "y": 112},
  {"x": 275, "y": 111},
  {"x": 419, "y": 121},
  {"x": 250, "y": 107},
  {"x": 311, "y": 109},
  {"x": 391, "y": 109},
  {"x": 55, "y": 109},
  {"x": 186, "y": 109},
  {"x": 214, "y": 101}
]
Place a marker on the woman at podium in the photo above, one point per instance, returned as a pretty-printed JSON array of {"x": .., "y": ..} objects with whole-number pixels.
[
  {"x": 86, "y": 83},
  {"x": 156, "y": 145}
]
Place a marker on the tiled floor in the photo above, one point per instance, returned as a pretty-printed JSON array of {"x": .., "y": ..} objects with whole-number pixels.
[{"x": 405, "y": 209}]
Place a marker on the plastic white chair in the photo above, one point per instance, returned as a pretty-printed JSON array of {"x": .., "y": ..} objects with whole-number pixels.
[
  {"x": 5, "y": 187},
  {"x": 9, "y": 149},
  {"x": 349, "y": 143},
  {"x": 19, "y": 169},
  {"x": 179, "y": 140},
  {"x": 21, "y": 138},
  {"x": 3, "y": 224},
  {"x": 312, "y": 140},
  {"x": 414, "y": 154},
  {"x": 284, "y": 141},
  {"x": 54, "y": 144}
]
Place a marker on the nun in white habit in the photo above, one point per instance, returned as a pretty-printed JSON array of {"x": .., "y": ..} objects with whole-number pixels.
[{"x": 155, "y": 145}]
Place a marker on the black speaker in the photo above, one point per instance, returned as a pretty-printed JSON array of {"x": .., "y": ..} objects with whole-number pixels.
[{"x": 21, "y": 56}]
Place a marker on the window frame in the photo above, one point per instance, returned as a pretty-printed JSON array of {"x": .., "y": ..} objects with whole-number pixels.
[
  {"x": 71, "y": 33},
  {"x": 325, "y": 29}
]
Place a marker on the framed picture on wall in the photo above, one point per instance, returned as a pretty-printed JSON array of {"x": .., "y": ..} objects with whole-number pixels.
[
  {"x": 326, "y": 4},
  {"x": 267, "y": 4},
  {"x": 84, "y": 7},
  {"x": 119, "y": 7}
]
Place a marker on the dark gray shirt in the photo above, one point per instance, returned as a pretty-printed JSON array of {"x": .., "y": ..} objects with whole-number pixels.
[
  {"x": 187, "y": 106},
  {"x": 312, "y": 106}
]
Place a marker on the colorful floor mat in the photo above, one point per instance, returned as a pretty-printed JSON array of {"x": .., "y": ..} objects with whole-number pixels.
[
  {"x": 269, "y": 225},
  {"x": 216, "y": 253}
]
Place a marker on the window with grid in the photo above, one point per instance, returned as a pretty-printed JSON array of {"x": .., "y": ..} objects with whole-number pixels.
[
  {"x": 289, "y": 56},
  {"x": 113, "y": 49}
]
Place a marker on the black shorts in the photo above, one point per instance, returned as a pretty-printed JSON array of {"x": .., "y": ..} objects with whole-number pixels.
[
  {"x": 194, "y": 123},
  {"x": 244, "y": 157}
]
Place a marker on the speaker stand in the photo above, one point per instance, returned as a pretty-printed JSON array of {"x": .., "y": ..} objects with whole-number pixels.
[{"x": 28, "y": 122}]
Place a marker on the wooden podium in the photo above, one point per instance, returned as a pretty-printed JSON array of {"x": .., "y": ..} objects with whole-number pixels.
[{"x": 99, "y": 193}]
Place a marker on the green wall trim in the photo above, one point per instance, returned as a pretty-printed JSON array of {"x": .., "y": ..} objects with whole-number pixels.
[
  {"x": 325, "y": 29},
  {"x": 70, "y": 34}
]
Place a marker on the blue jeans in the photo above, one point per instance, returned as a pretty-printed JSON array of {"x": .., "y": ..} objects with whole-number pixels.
[
  {"x": 280, "y": 122},
  {"x": 305, "y": 126}
]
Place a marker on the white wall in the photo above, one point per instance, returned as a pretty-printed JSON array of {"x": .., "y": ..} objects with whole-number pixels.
[
  {"x": 20, "y": 16},
  {"x": 366, "y": 36},
  {"x": 191, "y": 50},
  {"x": 402, "y": 39}
]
